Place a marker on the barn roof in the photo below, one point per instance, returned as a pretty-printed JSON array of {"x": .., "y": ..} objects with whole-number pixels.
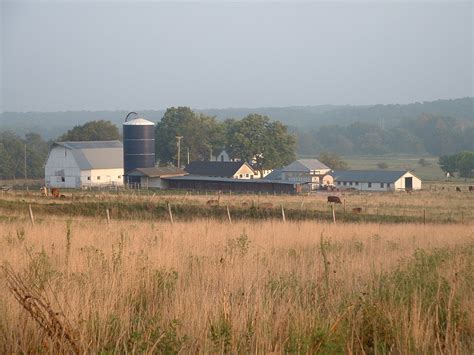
[
  {"x": 95, "y": 154},
  {"x": 274, "y": 175},
  {"x": 215, "y": 168},
  {"x": 167, "y": 171},
  {"x": 386, "y": 176},
  {"x": 230, "y": 180},
  {"x": 305, "y": 165}
]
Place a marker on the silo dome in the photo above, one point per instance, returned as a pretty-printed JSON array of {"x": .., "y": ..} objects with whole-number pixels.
[{"x": 138, "y": 144}]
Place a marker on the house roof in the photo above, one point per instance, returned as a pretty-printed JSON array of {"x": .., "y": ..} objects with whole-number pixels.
[
  {"x": 305, "y": 165},
  {"x": 386, "y": 176},
  {"x": 215, "y": 168},
  {"x": 223, "y": 179},
  {"x": 158, "y": 172},
  {"x": 274, "y": 175},
  {"x": 95, "y": 154}
]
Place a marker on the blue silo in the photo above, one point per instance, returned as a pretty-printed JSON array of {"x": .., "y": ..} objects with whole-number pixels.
[{"x": 138, "y": 144}]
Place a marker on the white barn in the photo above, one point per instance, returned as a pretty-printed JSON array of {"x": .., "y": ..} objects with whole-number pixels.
[
  {"x": 80, "y": 164},
  {"x": 376, "y": 180}
]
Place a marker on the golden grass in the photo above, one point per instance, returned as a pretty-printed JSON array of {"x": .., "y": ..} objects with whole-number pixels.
[{"x": 265, "y": 287}]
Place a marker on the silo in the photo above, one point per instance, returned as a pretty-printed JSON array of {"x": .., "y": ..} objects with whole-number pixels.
[{"x": 138, "y": 144}]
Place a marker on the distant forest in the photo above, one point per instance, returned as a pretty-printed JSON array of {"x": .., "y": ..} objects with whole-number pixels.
[{"x": 438, "y": 128}]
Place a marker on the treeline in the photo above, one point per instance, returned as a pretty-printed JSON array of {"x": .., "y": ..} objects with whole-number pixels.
[{"x": 427, "y": 134}]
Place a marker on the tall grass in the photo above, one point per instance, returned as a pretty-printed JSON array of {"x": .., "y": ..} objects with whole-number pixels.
[{"x": 209, "y": 286}]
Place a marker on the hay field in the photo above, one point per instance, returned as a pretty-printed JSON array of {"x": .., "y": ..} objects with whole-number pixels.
[{"x": 262, "y": 286}]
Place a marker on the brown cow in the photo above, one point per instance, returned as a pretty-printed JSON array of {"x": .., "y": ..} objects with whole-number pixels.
[
  {"x": 334, "y": 199},
  {"x": 471, "y": 188},
  {"x": 212, "y": 203},
  {"x": 55, "y": 192},
  {"x": 266, "y": 205},
  {"x": 357, "y": 210},
  {"x": 458, "y": 189}
]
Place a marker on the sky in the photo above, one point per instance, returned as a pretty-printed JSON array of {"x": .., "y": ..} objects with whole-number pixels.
[{"x": 106, "y": 55}]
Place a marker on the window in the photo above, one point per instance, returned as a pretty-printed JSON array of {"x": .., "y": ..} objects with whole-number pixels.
[
  {"x": 241, "y": 176},
  {"x": 98, "y": 177},
  {"x": 381, "y": 184},
  {"x": 63, "y": 179},
  {"x": 357, "y": 183},
  {"x": 119, "y": 177},
  {"x": 369, "y": 184},
  {"x": 88, "y": 178},
  {"x": 388, "y": 184},
  {"x": 246, "y": 175},
  {"x": 350, "y": 183},
  {"x": 345, "y": 183},
  {"x": 339, "y": 183}
]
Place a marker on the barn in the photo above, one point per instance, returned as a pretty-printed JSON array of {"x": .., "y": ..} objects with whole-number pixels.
[
  {"x": 376, "y": 180},
  {"x": 226, "y": 169},
  {"x": 154, "y": 177},
  {"x": 80, "y": 164}
]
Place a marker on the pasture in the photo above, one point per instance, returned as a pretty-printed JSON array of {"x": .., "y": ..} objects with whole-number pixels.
[{"x": 76, "y": 282}]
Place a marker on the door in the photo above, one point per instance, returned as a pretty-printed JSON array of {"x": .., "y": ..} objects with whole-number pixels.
[{"x": 409, "y": 183}]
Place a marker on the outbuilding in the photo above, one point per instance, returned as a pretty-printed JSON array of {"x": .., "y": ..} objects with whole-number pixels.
[
  {"x": 376, "y": 180},
  {"x": 153, "y": 177},
  {"x": 80, "y": 164},
  {"x": 225, "y": 169}
]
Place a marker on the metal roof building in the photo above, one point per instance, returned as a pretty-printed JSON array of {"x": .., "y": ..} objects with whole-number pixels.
[
  {"x": 78, "y": 164},
  {"x": 376, "y": 180},
  {"x": 226, "y": 169}
]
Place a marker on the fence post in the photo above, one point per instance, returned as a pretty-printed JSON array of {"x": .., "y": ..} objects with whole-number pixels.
[
  {"x": 228, "y": 215},
  {"x": 108, "y": 215},
  {"x": 32, "y": 218},
  {"x": 283, "y": 214},
  {"x": 170, "y": 213},
  {"x": 333, "y": 213},
  {"x": 302, "y": 203},
  {"x": 424, "y": 216}
]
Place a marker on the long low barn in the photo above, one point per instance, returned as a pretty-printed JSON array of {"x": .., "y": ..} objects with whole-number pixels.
[
  {"x": 193, "y": 182},
  {"x": 376, "y": 180}
]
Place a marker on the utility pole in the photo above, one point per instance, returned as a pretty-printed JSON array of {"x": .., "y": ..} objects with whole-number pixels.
[
  {"x": 210, "y": 154},
  {"x": 188, "y": 155},
  {"x": 179, "y": 149},
  {"x": 25, "y": 162}
]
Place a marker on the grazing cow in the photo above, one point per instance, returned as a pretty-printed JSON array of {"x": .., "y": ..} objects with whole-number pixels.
[
  {"x": 212, "y": 203},
  {"x": 55, "y": 192},
  {"x": 266, "y": 205},
  {"x": 62, "y": 196},
  {"x": 471, "y": 188},
  {"x": 458, "y": 189},
  {"x": 357, "y": 210},
  {"x": 334, "y": 199}
]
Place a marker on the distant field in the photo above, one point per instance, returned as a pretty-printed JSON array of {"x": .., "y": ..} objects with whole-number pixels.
[{"x": 430, "y": 172}]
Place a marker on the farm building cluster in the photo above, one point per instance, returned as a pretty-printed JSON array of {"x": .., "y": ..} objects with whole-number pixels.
[{"x": 132, "y": 163}]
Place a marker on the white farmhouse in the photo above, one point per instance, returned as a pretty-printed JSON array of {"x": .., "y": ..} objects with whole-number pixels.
[
  {"x": 376, "y": 180},
  {"x": 308, "y": 171},
  {"x": 79, "y": 164}
]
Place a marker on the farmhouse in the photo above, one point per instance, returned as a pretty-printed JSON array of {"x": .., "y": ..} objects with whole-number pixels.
[
  {"x": 376, "y": 180},
  {"x": 78, "y": 164},
  {"x": 231, "y": 169},
  {"x": 308, "y": 171},
  {"x": 153, "y": 177}
]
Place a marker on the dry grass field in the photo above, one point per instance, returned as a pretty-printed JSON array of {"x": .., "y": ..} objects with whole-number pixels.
[{"x": 77, "y": 284}]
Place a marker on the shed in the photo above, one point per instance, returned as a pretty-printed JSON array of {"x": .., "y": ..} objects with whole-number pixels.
[
  {"x": 376, "y": 180},
  {"x": 226, "y": 169},
  {"x": 153, "y": 177}
]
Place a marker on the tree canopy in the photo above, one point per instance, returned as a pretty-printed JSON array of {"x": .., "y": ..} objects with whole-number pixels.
[
  {"x": 462, "y": 163},
  {"x": 92, "y": 131},
  {"x": 333, "y": 161}
]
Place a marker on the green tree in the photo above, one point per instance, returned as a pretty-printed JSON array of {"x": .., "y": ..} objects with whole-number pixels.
[
  {"x": 333, "y": 161},
  {"x": 92, "y": 131},
  {"x": 448, "y": 163},
  {"x": 201, "y": 135},
  {"x": 263, "y": 143},
  {"x": 465, "y": 164}
]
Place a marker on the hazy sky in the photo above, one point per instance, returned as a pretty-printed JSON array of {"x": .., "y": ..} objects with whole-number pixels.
[{"x": 86, "y": 55}]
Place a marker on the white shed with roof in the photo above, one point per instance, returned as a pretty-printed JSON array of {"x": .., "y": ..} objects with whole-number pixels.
[
  {"x": 79, "y": 164},
  {"x": 376, "y": 180}
]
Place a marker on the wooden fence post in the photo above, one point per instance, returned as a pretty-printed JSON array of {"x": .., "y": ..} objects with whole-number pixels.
[
  {"x": 170, "y": 213},
  {"x": 302, "y": 203},
  {"x": 333, "y": 213},
  {"x": 228, "y": 215},
  {"x": 107, "y": 212},
  {"x": 32, "y": 218},
  {"x": 283, "y": 214},
  {"x": 424, "y": 216}
]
